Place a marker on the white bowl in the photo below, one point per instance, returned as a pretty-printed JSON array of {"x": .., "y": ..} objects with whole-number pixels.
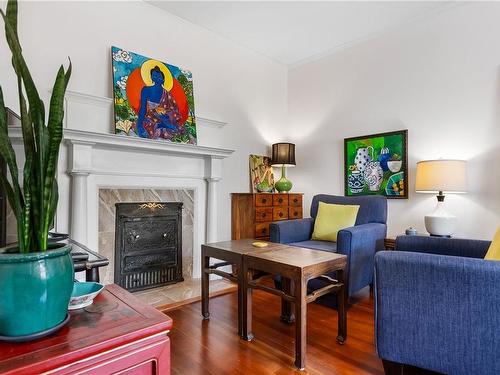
[{"x": 83, "y": 294}]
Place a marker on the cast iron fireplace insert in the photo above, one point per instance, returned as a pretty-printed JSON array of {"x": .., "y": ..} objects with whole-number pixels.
[{"x": 148, "y": 244}]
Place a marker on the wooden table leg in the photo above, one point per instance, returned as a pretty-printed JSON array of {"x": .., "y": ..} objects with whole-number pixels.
[
  {"x": 246, "y": 311},
  {"x": 205, "y": 263},
  {"x": 300, "y": 322},
  {"x": 241, "y": 296},
  {"x": 341, "y": 310},
  {"x": 286, "y": 307}
]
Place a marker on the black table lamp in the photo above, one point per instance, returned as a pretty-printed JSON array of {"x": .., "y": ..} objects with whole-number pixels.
[{"x": 283, "y": 156}]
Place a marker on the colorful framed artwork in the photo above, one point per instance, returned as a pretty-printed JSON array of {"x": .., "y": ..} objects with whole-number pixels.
[
  {"x": 152, "y": 99},
  {"x": 377, "y": 164},
  {"x": 261, "y": 174}
]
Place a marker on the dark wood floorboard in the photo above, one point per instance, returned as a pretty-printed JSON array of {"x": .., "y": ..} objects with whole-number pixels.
[{"x": 213, "y": 347}]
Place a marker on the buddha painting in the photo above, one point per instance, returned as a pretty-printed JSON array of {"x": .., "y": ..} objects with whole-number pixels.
[{"x": 152, "y": 99}]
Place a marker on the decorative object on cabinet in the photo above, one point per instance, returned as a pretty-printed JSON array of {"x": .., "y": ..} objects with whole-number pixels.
[
  {"x": 411, "y": 231},
  {"x": 283, "y": 156},
  {"x": 377, "y": 164},
  {"x": 117, "y": 334},
  {"x": 261, "y": 174},
  {"x": 36, "y": 276},
  {"x": 251, "y": 214},
  {"x": 152, "y": 99},
  {"x": 439, "y": 176}
]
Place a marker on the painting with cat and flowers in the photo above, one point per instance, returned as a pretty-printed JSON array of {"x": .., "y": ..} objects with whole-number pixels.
[{"x": 377, "y": 164}]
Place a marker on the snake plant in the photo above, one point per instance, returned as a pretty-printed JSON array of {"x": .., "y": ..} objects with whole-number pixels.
[{"x": 34, "y": 200}]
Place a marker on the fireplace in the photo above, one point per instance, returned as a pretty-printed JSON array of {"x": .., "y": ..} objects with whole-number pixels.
[
  {"x": 148, "y": 244},
  {"x": 95, "y": 162}
]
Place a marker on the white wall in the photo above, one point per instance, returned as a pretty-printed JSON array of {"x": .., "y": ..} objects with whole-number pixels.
[
  {"x": 231, "y": 84},
  {"x": 440, "y": 79}
]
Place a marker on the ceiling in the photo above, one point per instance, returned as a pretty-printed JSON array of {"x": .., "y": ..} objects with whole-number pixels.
[{"x": 291, "y": 32}]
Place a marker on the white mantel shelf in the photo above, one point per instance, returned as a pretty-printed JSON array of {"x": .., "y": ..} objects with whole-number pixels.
[{"x": 123, "y": 142}]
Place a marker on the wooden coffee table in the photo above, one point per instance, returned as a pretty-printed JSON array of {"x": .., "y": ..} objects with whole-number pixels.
[
  {"x": 231, "y": 254},
  {"x": 298, "y": 265}
]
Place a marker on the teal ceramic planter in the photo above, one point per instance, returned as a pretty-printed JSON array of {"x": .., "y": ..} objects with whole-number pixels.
[{"x": 35, "y": 289}]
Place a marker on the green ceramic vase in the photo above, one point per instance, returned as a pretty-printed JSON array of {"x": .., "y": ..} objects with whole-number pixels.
[
  {"x": 283, "y": 185},
  {"x": 35, "y": 289}
]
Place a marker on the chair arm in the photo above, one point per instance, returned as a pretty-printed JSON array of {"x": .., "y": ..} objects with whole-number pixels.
[
  {"x": 288, "y": 231},
  {"x": 438, "y": 312},
  {"x": 444, "y": 246},
  {"x": 360, "y": 243}
]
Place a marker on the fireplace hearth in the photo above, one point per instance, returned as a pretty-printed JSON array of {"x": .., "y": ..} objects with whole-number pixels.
[{"x": 148, "y": 244}]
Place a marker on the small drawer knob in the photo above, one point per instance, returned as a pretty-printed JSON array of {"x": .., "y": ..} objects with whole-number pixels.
[
  {"x": 280, "y": 214},
  {"x": 280, "y": 200},
  {"x": 295, "y": 200},
  {"x": 263, "y": 215},
  {"x": 264, "y": 230},
  {"x": 264, "y": 200}
]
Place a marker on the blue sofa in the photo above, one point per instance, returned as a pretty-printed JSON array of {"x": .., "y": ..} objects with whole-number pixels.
[
  {"x": 437, "y": 306},
  {"x": 359, "y": 242}
]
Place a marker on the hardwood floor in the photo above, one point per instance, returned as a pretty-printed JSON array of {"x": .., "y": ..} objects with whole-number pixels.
[{"x": 213, "y": 347}]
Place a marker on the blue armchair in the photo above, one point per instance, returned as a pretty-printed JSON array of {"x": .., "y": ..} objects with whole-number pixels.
[
  {"x": 359, "y": 242},
  {"x": 437, "y": 306}
]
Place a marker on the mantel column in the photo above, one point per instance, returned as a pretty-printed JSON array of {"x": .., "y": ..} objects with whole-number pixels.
[
  {"x": 214, "y": 172},
  {"x": 79, "y": 206},
  {"x": 80, "y": 167}
]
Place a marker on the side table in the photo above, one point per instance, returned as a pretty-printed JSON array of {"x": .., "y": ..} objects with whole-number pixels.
[
  {"x": 117, "y": 334},
  {"x": 390, "y": 243}
]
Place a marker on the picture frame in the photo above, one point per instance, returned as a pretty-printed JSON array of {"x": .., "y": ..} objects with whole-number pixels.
[
  {"x": 377, "y": 164},
  {"x": 261, "y": 174},
  {"x": 152, "y": 99}
]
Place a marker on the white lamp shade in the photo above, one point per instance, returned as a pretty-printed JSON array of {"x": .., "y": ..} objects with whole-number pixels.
[{"x": 441, "y": 175}]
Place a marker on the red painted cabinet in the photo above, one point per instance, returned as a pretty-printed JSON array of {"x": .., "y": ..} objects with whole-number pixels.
[{"x": 117, "y": 334}]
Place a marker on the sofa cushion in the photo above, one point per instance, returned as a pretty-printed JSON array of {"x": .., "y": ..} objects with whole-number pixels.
[
  {"x": 494, "y": 249},
  {"x": 332, "y": 218},
  {"x": 317, "y": 245},
  {"x": 373, "y": 208}
]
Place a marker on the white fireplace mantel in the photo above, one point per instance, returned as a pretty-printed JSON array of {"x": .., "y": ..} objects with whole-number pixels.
[
  {"x": 137, "y": 144},
  {"x": 95, "y": 161}
]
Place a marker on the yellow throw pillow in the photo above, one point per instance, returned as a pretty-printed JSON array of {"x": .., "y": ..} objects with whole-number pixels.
[
  {"x": 331, "y": 218},
  {"x": 494, "y": 249}
]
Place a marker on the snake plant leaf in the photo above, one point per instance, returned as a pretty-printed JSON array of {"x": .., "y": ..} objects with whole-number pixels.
[
  {"x": 11, "y": 14},
  {"x": 55, "y": 132},
  {"x": 34, "y": 205},
  {"x": 36, "y": 107}
]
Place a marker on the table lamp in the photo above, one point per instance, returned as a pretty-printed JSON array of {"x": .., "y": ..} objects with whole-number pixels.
[
  {"x": 441, "y": 176},
  {"x": 283, "y": 156}
]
